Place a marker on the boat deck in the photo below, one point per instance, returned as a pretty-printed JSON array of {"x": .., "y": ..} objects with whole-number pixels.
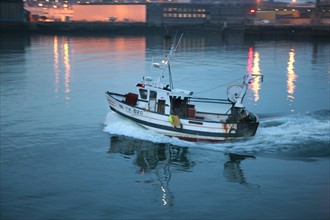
[{"x": 211, "y": 116}]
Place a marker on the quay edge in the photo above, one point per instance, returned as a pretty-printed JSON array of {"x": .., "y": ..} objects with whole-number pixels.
[
  {"x": 320, "y": 31},
  {"x": 133, "y": 28}
]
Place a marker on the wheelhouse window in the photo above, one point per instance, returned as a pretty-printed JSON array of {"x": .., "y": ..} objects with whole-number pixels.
[
  {"x": 143, "y": 93},
  {"x": 153, "y": 95}
]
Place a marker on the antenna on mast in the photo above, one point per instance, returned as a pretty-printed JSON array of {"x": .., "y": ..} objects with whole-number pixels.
[{"x": 167, "y": 60}]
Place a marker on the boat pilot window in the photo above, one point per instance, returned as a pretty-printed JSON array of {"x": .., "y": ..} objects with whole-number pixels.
[
  {"x": 153, "y": 95},
  {"x": 143, "y": 93}
]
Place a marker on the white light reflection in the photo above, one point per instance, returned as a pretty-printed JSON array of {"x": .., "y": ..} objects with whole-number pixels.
[
  {"x": 253, "y": 67},
  {"x": 67, "y": 69},
  {"x": 62, "y": 45},
  {"x": 164, "y": 199},
  {"x": 56, "y": 68},
  {"x": 291, "y": 78}
]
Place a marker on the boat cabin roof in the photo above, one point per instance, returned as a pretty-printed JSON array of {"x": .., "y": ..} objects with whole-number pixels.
[{"x": 158, "y": 86}]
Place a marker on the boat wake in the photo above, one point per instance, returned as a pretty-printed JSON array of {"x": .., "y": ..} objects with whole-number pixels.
[
  {"x": 121, "y": 126},
  {"x": 295, "y": 135}
]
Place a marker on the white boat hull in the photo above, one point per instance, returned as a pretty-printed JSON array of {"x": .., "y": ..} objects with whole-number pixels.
[{"x": 192, "y": 129}]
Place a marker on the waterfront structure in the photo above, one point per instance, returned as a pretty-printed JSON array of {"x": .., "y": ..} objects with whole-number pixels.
[
  {"x": 110, "y": 12},
  {"x": 165, "y": 13},
  {"x": 281, "y": 13},
  {"x": 216, "y": 15},
  {"x": 12, "y": 13},
  {"x": 44, "y": 14},
  {"x": 198, "y": 13}
]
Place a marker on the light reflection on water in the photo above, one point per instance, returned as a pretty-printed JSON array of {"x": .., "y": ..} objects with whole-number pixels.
[
  {"x": 154, "y": 162},
  {"x": 65, "y": 47},
  {"x": 56, "y": 63},
  {"x": 254, "y": 68},
  {"x": 292, "y": 77},
  {"x": 158, "y": 164},
  {"x": 67, "y": 74},
  {"x": 62, "y": 56},
  {"x": 118, "y": 54}
]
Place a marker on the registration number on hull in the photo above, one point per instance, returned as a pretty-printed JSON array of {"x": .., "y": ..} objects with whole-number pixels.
[{"x": 131, "y": 110}]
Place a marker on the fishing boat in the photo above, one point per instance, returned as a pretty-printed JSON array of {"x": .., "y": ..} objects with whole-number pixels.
[{"x": 159, "y": 106}]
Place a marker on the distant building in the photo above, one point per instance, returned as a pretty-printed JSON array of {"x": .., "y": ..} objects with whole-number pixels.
[
  {"x": 237, "y": 12},
  {"x": 293, "y": 14},
  {"x": 165, "y": 13},
  {"x": 110, "y": 12},
  {"x": 12, "y": 11}
]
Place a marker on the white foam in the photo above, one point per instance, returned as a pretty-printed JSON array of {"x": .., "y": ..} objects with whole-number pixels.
[
  {"x": 118, "y": 125},
  {"x": 272, "y": 135},
  {"x": 296, "y": 129},
  {"x": 289, "y": 132}
]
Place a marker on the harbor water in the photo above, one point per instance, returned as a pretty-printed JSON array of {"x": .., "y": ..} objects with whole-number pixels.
[{"x": 65, "y": 155}]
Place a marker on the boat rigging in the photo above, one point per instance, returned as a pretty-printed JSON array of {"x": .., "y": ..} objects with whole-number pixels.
[{"x": 159, "y": 106}]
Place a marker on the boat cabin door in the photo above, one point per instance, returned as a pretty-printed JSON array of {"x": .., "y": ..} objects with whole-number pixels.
[
  {"x": 152, "y": 101},
  {"x": 161, "y": 106}
]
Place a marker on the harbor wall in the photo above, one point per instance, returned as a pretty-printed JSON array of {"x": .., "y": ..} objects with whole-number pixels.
[{"x": 143, "y": 28}]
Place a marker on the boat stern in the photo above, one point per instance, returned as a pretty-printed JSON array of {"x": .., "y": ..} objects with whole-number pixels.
[{"x": 247, "y": 129}]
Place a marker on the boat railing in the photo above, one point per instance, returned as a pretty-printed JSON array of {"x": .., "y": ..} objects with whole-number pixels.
[
  {"x": 125, "y": 98},
  {"x": 210, "y": 100},
  {"x": 113, "y": 93}
]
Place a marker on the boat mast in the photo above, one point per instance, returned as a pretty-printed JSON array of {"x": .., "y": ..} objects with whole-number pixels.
[
  {"x": 167, "y": 61},
  {"x": 170, "y": 76}
]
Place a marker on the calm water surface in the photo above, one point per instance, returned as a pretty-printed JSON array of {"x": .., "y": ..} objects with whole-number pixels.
[{"x": 64, "y": 155}]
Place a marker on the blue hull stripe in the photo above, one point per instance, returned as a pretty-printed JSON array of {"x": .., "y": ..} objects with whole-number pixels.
[{"x": 243, "y": 129}]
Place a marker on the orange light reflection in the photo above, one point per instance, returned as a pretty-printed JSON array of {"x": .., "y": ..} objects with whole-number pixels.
[
  {"x": 253, "y": 67},
  {"x": 250, "y": 61}
]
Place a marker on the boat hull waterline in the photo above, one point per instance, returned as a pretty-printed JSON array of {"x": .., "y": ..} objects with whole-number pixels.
[{"x": 191, "y": 129}]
